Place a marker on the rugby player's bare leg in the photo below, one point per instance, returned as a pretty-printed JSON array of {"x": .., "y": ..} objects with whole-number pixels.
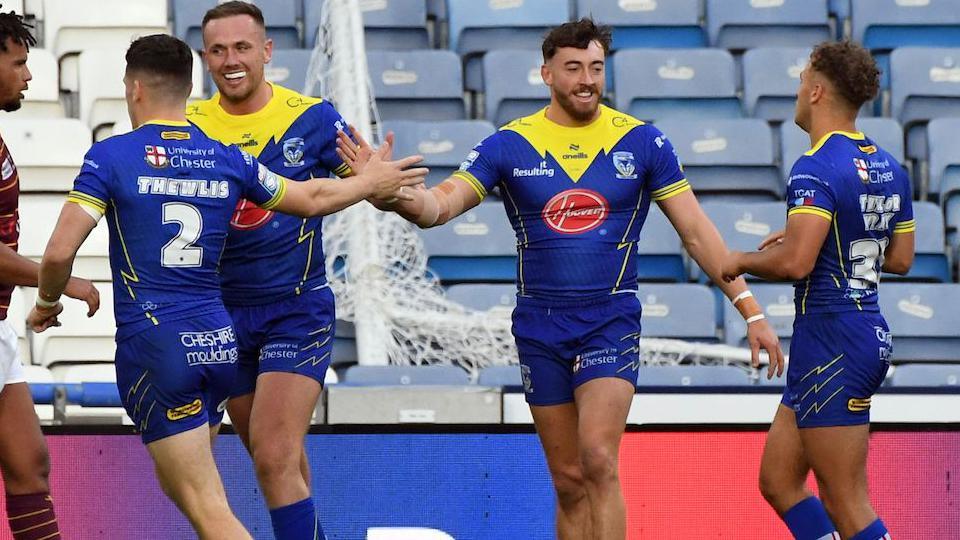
[
  {"x": 602, "y": 406},
  {"x": 23, "y": 451},
  {"x": 239, "y": 409},
  {"x": 283, "y": 406},
  {"x": 189, "y": 476},
  {"x": 784, "y": 467},
  {"x": 557, "y": 428},
  {"x": 838, "y": 456}
]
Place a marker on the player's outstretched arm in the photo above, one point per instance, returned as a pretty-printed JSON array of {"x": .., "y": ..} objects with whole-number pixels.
[
  {"x": 381, "y": 178},
  {"x": 72, "y": 229},
  {"x": 420, "y": 206},
  {"x": 898, "y": 257},
  {"x": 784, "y": 256},
  {"x": 704, "y": 243}
]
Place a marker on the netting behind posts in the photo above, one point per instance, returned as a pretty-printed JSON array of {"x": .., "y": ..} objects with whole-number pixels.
[{"x": 376, "y": 261}]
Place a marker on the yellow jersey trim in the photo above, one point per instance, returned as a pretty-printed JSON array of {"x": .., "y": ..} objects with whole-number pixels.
[
  {"x": 673, "y": 189},
  {"x": 173, "y": 123},
  {"x": 905, "y": 226},
  {"x": 278, "y": 196},
  {"x": 87, "y": 200},
  {"x": 472, "y": 181},
  {"x": 855, "y": 135},
  {"x": 813, "y": 210}
]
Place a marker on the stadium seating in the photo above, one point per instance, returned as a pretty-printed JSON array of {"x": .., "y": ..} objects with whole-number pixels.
[
  {"x": 888, "y": 24},
  {"x": 443, "y": 145},
  {"x": 344, "y": 344},
  {"x": 102, "y": 101},
  {"x": 405, "y": 375},
  {"x": 732, "y": 156},
  {"x": 42, "y": 98},
  {"x": 417, "y": 85},
  {"x": 659, "y": 250},
  {"x": 923, "y": 319},
  {"x": 744, "y": 225},
  {"x": 280, "y": 17},
  {"x": 925, "y": 84},
  {"x": 500, "y": 376},
  {"x": 885, "y": 132},
  {"x": 484, "y": 296},
  {"x": 926, "y": 375},
  {"x": 930, "y": 262},
  {"x": 776, "y": 299},
  {"x": 678, "y": 311},
  {"x": 73, "y": 26},
  {"x": 38, "y": 216},
  {"x": 689, "y": 83},
  {"x": 74, "y": 373},
  {"x": 81, "y": 338},
  {"x": 944, "y": 164},
  {"x": 645, "y": 23},
  {"x": 387, "y": 24},
  {"x": 476, "y": 27},
  {"x": 288, "y": 68},
  {"x": 840, "y": 9},
  {"x": 513, "y": 85},
  {"x": 48, "y": 151},
  {"x": 657, "y": 375},
  {"x": 742, "y": 24},
  {"x": 771, "y": 77},
  {"x": 478, "y": 246}
]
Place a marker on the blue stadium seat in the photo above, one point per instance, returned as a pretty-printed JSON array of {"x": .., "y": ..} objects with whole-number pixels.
[
  {"x": 513, "y": 85},
  {"x": 387, "y": 24},
  {"x": 744, "y": 225},
  {"x": 659, "y": 250},
  {"x": 771, "y": 77},
  {"x": 726, "y": 155},
  {"x": 477, "y": 27},
  {"x": 280, "y": 17},
  {"x": 930, "y": 262},
  {"x": 653, "y": 84},
  {"x": 417, "y": 85},
  {"x": 925, "y": 85},
  {"x": 405, "y": 376},
  {"x": 944, "y": 161},
  {"x": 288, "y": 68},
  {"x": 886, "y": 132},
  {"x": 776, "y": 299},
  {"x": 923, "y": 319},
  {"x": 692, "y": 376},
  {"x": 344, "y": 344},
  {"x": 478, "y": 246},
  {"x": 484, "y": 296},
  {"x": 443, "y": 145},
  {"x": 929, "y": 375},
  {"x": 888, "y": 24},
  {"x": 648, "y": 24},
  {"x": 841, "y": 10},
  {"x": 744, "y": 24},
  {"x": 678, "y": 311},
  {"x": 500, "y": 376}
]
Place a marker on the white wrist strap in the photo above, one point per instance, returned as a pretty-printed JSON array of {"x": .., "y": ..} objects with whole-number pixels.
[
  {"x": 46, "y": 304},
  {"x": 741, "y": 296},
  {"x": 755, "y": 318}
]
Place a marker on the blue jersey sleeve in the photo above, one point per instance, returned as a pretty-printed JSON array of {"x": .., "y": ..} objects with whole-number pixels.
[
  {"x": 481, "y": 168},
  {"x": 808, "y": 192},
  {"x": 92, "y": 186},
  {"x": 330, "y": 123},
  {"x": 258, "y": 183},
  {"x": 904, "y": 221},
  {"x": 665, "y": 176}
]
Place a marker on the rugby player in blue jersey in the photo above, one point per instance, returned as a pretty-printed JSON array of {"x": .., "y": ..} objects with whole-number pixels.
[
  {"x": 577, "y": 179},
  {"x": 169, "y": 192},
  {"x": 849, "y": 217}
]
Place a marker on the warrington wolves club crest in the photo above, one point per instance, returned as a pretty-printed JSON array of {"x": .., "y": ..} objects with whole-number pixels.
[{"x": 293, "y": 152}]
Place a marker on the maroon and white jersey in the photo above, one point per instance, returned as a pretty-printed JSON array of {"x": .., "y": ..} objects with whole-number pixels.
[{"x": 9, "y": 215}]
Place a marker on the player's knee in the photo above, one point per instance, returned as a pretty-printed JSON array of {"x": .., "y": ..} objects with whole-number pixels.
[
  {"x": 30, "y": 474},
  {"x": 568, "y": 483},
  {"x": 273, "y": 459},
  {"x": 599, "y": 463}
]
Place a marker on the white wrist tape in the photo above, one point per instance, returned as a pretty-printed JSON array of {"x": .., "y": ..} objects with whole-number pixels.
[
  {"x": 755, "y": 318},
  {"x": 46, "y": 304},
  {"x": 741, "y": 296}
]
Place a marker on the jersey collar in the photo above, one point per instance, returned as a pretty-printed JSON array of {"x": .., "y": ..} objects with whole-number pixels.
[{"x": 854, "y": 135}]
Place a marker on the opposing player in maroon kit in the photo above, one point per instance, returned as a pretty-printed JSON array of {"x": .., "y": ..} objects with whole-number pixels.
[{"x": 23, "y": 453}]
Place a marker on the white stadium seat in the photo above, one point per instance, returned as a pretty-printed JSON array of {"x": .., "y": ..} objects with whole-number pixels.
[
  {"x": 73, "y": 26},
  {"x": 81, "y": 338},
  {"x": 48, "y": 151},
  {"x": 42, "y": 98},
  {"x": 86, "y": 372},
  {"x": 37, "y": 220}
]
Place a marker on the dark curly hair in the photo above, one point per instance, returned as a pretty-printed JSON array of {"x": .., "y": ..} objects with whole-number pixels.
[
  {"x": 13, "y": 28},
  {"x": 850, "y": 68},
  {"x": 577, "y": 34}
]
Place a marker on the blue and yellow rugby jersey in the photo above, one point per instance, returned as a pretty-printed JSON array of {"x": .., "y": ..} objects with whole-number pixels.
[
  {"x": 270, "y": 256},
  {"x": 865, "y": 194},
  {"x": 168, "y": 192},
  {"x": 576, "y": 197}
]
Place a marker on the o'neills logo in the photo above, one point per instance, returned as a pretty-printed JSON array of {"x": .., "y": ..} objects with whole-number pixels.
[{"x": 575, "y": 211}]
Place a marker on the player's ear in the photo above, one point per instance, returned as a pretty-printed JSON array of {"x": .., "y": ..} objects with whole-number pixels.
[
  {"x": 267, "y": 50},
  {"x": 546, "y": 74}
]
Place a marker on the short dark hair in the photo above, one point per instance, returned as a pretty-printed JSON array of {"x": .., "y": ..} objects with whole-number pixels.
[
  {"x": 850, "y": 68},
  {"x": 578, "y": 34},
  {"x": 233, "y": 8},
  {"x": 168, "y": 59},
  {"x": 13, "y": 28}
]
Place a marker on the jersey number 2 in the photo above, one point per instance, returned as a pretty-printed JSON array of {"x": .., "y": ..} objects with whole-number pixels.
[
  {"x": 180, "y": 251},
  {"x": 867, "y": 258}
]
